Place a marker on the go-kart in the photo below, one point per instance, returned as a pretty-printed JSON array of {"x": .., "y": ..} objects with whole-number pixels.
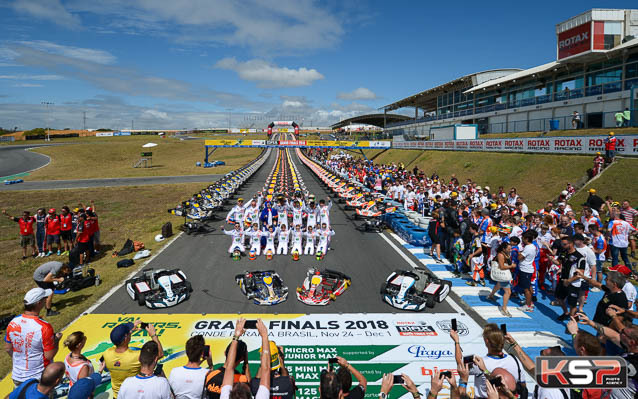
[
  {"x": 372, "y": 225},
  {"x": 414, "y": 289},
  {"x": 77, "y": 280},
  {"x": 159, "y": 288},
  {"x": 321, "y": 287},
  {"x": 374, "y": 209},
  {"x": 263, "y": 287}
]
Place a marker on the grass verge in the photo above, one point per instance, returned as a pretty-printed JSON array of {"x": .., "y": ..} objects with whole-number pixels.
[
  {"x": 136, "y": 212},
  {"x": 98, "y": 158}
]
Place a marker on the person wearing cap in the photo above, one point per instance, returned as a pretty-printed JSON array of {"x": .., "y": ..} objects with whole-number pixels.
[
  {"x": 66, "y": 229},
  {"x": 85, "y": 387},
  {"x": 45, "y": 276},
  {"x": 27, "y": 238},
  {"x": 123, "y": 361},
  {"x": 236, "y": 214},
  {"x": 41, "y": 387},
  {"x": 148, "y": 383},
  {"x": 187, "y": 382},
  {"x": 242, "y": 390},
  {"x": 52, "y": 231},
  {"x": 610, "y": 147},
  {"x": 29, "y": 340},
  {"x": 282, "y": 385},
  {"x": 599, "y": 163}
]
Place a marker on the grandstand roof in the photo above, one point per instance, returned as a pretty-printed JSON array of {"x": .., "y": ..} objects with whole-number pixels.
[
  {"x": 427, "y": 99},
  {"x": 371, "y": 119}
]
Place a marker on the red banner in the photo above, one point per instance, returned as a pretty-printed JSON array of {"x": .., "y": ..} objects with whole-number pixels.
[{"x": 574, "y": 41}]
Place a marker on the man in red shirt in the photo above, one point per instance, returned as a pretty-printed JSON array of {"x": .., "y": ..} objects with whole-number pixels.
[
  {"x": 27, "y": 238},
  {"x": 52, "y": 231},
  {"x": 66, "y": 229},
  {"x": 83, "y": 237},
  {"x": 610, "y": 147}
]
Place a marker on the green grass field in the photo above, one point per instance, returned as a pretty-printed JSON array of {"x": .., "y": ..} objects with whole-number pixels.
[
  {"x": 615, "y": 182},
  {"x": 110, "y": 157},
  {"x": 125, "y": 212}
]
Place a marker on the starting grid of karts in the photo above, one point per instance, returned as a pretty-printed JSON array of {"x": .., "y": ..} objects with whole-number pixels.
[{"x": 413, "y": 290}]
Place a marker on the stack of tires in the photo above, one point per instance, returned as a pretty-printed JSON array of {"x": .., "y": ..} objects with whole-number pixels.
[{"x": 410, "y": 226}]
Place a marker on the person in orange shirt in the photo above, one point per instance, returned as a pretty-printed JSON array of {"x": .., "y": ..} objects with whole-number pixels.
[{"x": 27, "y": 237}]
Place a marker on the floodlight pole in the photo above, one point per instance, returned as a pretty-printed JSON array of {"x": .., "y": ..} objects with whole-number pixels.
[{"x": 46, "y": 105}]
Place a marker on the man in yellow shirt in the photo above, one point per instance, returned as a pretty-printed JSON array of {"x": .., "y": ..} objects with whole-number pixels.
[{"x": 122, "y": 361}]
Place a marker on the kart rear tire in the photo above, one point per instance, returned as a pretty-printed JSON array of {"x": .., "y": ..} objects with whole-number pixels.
[
  {"x": 430, "y": 302},
  {"x": 141, "y": 299},
  {"x": 189, "y": 286}
]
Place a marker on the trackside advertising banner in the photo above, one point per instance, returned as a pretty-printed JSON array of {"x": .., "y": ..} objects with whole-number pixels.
[
  {"x": 410, "y": 343},
  {"x": 625, "y": 145},
  {"x": 300, "y": 144}
]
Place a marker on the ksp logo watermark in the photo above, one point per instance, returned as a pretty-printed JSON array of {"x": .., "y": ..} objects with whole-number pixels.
[{"x": 581, "y": 372}]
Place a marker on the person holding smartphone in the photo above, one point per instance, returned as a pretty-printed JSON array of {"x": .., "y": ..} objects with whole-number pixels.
[
  {"x": 282, "y": 384},
  {"x": 122, "y": 361},
  {"x": 150, "y": 382},
  {"x": 345, "y": 373},
  {"x": 187, "y": 382},
  {"x": 242, "y": 390}
]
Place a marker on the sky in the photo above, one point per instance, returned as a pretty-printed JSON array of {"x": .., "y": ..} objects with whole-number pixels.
[{"x": 166, "y": 64}]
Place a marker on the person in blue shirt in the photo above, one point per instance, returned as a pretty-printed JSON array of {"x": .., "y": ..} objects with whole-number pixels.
[{"x": 34, "y": 389}]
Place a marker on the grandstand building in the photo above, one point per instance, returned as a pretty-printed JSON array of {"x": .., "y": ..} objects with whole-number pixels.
[{"x": 595, "y": 74}]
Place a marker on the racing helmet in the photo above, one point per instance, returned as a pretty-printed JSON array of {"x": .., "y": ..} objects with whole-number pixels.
[
  {"x": 295, "y": 255},
  {"x": 319, "y": 255},
  {"x": 252, "y": 255},
  {"x": 269, "y": 255},
  {"x": 159, "y": 238},
  {"x": 236, "y": 255}
]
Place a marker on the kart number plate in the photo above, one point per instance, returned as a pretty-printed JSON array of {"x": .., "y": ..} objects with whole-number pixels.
[
  {"x": 432, "y": 288},
  {"x": 175, "y": 279},
  {"x": 142, "y": 286}
]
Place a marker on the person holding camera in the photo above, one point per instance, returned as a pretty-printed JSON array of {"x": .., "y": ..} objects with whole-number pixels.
[
  {"x": 389, "y": 380},
  {"x": 242, "y": 390},
  {"x": 46, "y": 275},
  {"x": 345, "y": 373},
  {"x": 282, "y": 385},
  {"x": 496, "y": 358},
  {"x": 122, "y": 361},
  {"x": 150, "y": 382},
  {"x": 188, "y": 381}
]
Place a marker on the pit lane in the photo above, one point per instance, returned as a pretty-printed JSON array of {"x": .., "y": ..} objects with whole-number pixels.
[{"x": 366, "y": 257}]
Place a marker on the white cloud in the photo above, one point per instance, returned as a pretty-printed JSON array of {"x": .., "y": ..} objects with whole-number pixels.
[
  {"x": 268, "y": 75},
  {"x": 31, "y": 77},
  {"x": 292, "y": 104},
  {"x": 282, "y": 26},
  {"x": 154, "y": 114},
  {"x": 27, "y": 85},
  {"x": 50, "y": 10},
  {"x": 361, "y": 93},
  {"x": 84, "y": 54}
]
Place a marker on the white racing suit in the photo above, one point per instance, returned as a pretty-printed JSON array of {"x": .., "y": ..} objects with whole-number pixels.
[
  {"x": 297, "y": 237},
  {"x": 324, "y": 240},
  {"x": 270, "y": 241},
  {"x": 324, "y": 213},
  {"x": 309, "y": 249},
  {"x": 297, "y": 216},
  {"x": 238, "y": 240},
  {"x": 283, "y": 237},
  {"x": 312, "y": 216},
  {"x": 255, "y": 241}
]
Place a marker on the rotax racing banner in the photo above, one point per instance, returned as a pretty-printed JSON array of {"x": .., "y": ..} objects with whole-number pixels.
[
  {"x": 625, "y": 145},
  {"x": 299, "y": 144},
  {"x": 414, "y": 344}
]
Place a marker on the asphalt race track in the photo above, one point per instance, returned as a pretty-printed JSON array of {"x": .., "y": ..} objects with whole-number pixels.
[
  {"x": 366, "y": 257},
  {"x": 16, "y": 159},
  {"x": 114, "y": 182}
]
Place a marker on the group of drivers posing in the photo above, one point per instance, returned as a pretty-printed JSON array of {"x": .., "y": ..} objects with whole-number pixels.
[{"x": 303, "y": 226}]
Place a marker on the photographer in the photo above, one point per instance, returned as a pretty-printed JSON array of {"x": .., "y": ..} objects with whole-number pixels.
[
  {"x": 282, "y": 385},
  {"x": 122, "y": 361},
  {"x": 242, "y": 390},
  {"x": 45, "y": 276},
  {"x": 215, "y": 378},
  {"x": 148, "y": 383},
  {"x": 187, "y": 382},
  {"x": 387, "y": 382},
  {"x": 345, "y": 373},
  {"x": 481, "y": 368}
]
